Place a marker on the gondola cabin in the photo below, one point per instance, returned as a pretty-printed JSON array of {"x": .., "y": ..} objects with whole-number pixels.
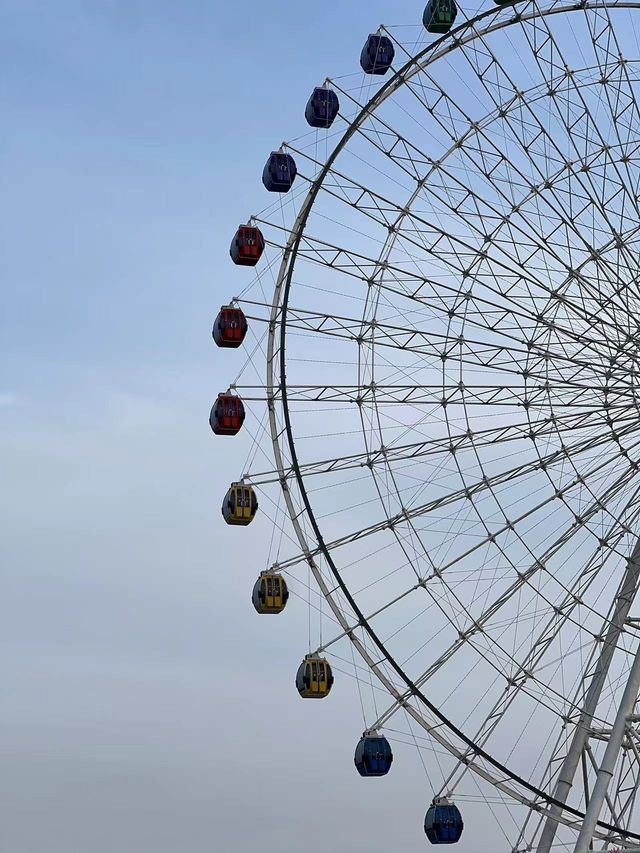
[
  {"x": 443, "y": 822},
  {"x": 230, "y": 327},
  {"x": 373, "y": 756},
  {"x": 227, "y": 415},
  {"x": 377, "y": 55},
  {"x": 279, "y": 172},
  {"x": 314, "y": 679},
  {"x": 322, "y": 107},
  {"x": 439, "y": 15},
  {"x": 270, "y": 593},
  {"x": 240, "y": 504},
  {"x": 247, "y": 246}
]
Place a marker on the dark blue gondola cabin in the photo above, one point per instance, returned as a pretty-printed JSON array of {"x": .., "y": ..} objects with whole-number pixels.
[
  {"x": 377, "y": 54},
  {"x": 322, "y": 107},
  {"x": 229, "y": 327},
  {"x": 279, "y": 172},
  {"x": 247, "y": 246},
  {"x": 373, "y": 755},
  {"x": 439, "y": 15},
  {"x": 443, "y": 822},
  {"x": 227, "y": 415},
  {"x": 270, "y": 593}
]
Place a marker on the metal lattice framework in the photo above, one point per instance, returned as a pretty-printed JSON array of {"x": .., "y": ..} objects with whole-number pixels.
[{"x": 452, "y": 354}]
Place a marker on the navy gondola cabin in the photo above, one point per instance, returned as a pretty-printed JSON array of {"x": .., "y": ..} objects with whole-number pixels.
[
  {"x": 279, "y": 172},
  {"x": 247, "y": 246},
  {"x": 373, "y": 756},
  {"x": 322, "y": 107},
  {"x": 227, "y": 415},
  {"x": 443, "y": 822},
  {"x": 439, "y": 15},
  {"x": 377, "y": 54},
  {"x": 229, "y": 327}
]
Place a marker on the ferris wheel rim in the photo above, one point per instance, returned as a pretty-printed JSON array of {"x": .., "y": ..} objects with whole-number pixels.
[{"x": 279, "y": 318}]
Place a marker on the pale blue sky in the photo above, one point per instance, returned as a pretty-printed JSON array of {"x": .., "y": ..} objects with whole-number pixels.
[{"x": 146, "y": 709}]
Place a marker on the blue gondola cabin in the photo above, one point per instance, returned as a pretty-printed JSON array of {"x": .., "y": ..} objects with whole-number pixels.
[
  {"x": 279, "y": 172},
  {"x": 314, "y": 678},
  {"x": 439, "y": 15},
  {"x": 227, "y": 415},
  {"x": 270, "y": 593},
  {"x": 373, "y": 756},
  {"x": 377, "y": 55},
  {"x": 247, "y": 246},
  {"x": 230, "y": 327},
  {"x": 240, "y": 504},
  {"x": 443, "y": 822},
  {"x": 322, "y": 107}
]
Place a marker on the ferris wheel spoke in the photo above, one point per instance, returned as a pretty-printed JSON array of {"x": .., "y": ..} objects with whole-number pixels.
[
  {"x": 460, "y": 265},
  {"x": 568, "y": 394},
  {"x": 426, "y": 236},
  {"x": 613, "y": 67},
  {"x": 465, "y": 126},
  {"x": 486, "y": 315},
  {"x": 471, "y": 491},
  {"x": 561, "y": 614},
  {"x": 584, "y": 127},
  {"x": 550, "y": 257},
  {"x": 534, "y": 188},
  {"x": 478, "y": 626},
  {"x": 597, "y": 506},
  {"x": 548, "y": 777},
  {"x": 623, "y": 106},
  {"x": 486, "y": 149},
  {"x": 411, "y": 339},
  {"x": 499, "y": 355},
  {"x": 394, "y": 453},
  {"x": 525, "y": 670},
  {"x": 555, "y": 71}
]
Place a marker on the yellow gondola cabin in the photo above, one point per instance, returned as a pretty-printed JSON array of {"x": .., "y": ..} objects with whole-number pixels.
[
  {"x": 240, "y": 504},
  {"x": 270, "y": 593},
  {"x": 314, "y": 679}
]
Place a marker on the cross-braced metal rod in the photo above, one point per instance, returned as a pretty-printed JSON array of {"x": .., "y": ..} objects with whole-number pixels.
[
  {"x": 626, "y": 594},
  {"x": 607, "y": 767}
]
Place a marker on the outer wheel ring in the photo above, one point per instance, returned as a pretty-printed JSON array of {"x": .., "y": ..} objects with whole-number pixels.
[{"x": 276, "y": 354}]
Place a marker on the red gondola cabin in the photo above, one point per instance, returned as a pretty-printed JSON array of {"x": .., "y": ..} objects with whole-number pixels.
[
  {"x": 230, "y": 327},
  {"x": 227, "y": 415},
  {"x": 247, "y": 246}
]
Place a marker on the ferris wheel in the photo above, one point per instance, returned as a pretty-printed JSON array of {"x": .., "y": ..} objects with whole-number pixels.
[{"x": 441, "y": 375}]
